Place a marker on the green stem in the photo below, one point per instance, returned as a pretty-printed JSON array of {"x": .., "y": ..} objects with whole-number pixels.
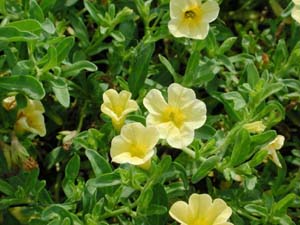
[
  {"x": 82, "y": 116},
  {"x": 116, "y": 212},
  {"x": 189, "y": 151}
]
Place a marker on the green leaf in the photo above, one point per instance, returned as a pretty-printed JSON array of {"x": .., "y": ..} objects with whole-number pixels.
[
  {"x": 98, "y": 163},
  {"x": 139, "y": 67},
  {"x": 263, "y": 138},
  {"x": 256, "y": 210},
  {"x": 3, "y": 7},
  {"x": 92, "y": 11},
  {"x": 157, "y": 212},
  {"x": 281, "y": 206},
  {"x": 76, "y": 68},
  {"x": 12, "y": 34},
  {"x": 270, "y": 89},
  {"x": 31, "y": 180},
  {"x": 72, "y": 168},
  {"x": 63, "y": 48},
  {"x": 205, "y": 168},
  {"x": 252, "y": 74},
  {"x": 169, "y": 67},
  {"x": 48, "y": 26},
  {"x": 103, "y": 181},
  {"x": 242, "y": 148},
  {"x": 272, "y": 113},
  {"x": 145, "y": 199},
  {"x": 280, "y": 55},
  {"x": 236, "y": 98},
  {"x": 226, "y": 45},
  {"x": 192, "y": 69},
  {"x": 47, "y": 5},
  {"x": 6, "y": 188},
  {"x": 29, "y": 25},
  {"x": 52, "y": 59},
  {"x": 35, "y": 11},
  {"x": 27, "y": 85},
  {"x": 258, "y": 158},
  {"x": 58, "y": 211},
  {"x": 61, "y": 90},
  {"x": 162, "y": 167}
]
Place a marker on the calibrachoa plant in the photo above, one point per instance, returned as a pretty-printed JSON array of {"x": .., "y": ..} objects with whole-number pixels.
[{"x": 157, "y": 112}]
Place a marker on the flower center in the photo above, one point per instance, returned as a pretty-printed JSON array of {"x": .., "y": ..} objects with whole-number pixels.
[
  {"x": 174, "y": 115},
  {"x": 118, "y": 109},
  {"x": 138, "y": 150},
  {"x": 193, "y": 13},
  {"x": 189, "y": 14},
  {"x": 198, "y": 221}
]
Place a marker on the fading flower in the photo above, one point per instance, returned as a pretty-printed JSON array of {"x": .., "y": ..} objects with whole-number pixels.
[
  {"x": 135, "y": 145},
  {"x": 117, "y": 106},
  {"x": 31, "y": 118},
  {"x": 191, "y": 18},
  {"x": 9, "y": 103},
  {"x": 274, "y": 145},
  {"x": 177, "y": 119},
  {"x": 296, "y": 11},
  {"x": 255, "y": 127},
  {"x": 201, "y": 210}
]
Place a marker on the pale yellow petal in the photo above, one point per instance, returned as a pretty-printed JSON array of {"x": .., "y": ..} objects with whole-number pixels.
[
  {"x": 117, "y": 106},
  {"x": 126, "y": 157},
  {"x": 177, "y": 28},
  {"x": 180, "y": 138},
  {"x": 123, "y": 150},
  {"x": 38, "y": 106},
  {"x": 136, "y": 133},
  {"x": 118, "y": 146},
  {"x": 9, "y": 103},
  {"x": 296, "y": 2},
  {"x": 276, "y": 144},
  {"x": 179, "y": 211},
  {"x": 33, "y": 123},
  {"x": 154, "y": 102},
  {"x": 210, "y": 11},
  {"x": 198, "y": 30},
  {"x": 202, "y": 31},
  {"x": 274, "y": 158},
  {"x": 133, "y": 132},
  {"x": 179, "y": 96},
  {"x": 296, "y": 13},
  {"x": 199, "y": 205},
  {"x": 177, "y": 8},
  {"x": 150, "y": 137},
  {"x": 195, "y": 114},
  {"x": 110, "y": 101},
  {"x": 218, "y": 212},
  {"x": 135, "y": 144},
  {"x": 164, "y": 128},
  {"x": 131, "y": 106},
  {"x": 255, "y": 127}
]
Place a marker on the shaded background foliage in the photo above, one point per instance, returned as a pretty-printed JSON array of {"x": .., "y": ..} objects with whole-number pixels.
[{"x": 67, "y": 53}]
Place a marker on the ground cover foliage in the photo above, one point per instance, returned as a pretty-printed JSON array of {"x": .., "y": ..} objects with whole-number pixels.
[{"x": 59, "y": 58}]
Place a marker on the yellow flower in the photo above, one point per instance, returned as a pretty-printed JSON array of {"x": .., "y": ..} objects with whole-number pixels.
[
  {"x": 134, "y": 145},
  {"x": 201, "y": 210},
  {"x": 177, "y": 119},
  {"x": 191, "y": 18},
  {"x": 117, "y": 106},
  {"x": 255, "y": 127},
  {"x": 9, "y": 103},
  {"x": 31, "y": 118},
  {"x": 296, "y": 11},
  {"x": 274, "y": 145}
]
